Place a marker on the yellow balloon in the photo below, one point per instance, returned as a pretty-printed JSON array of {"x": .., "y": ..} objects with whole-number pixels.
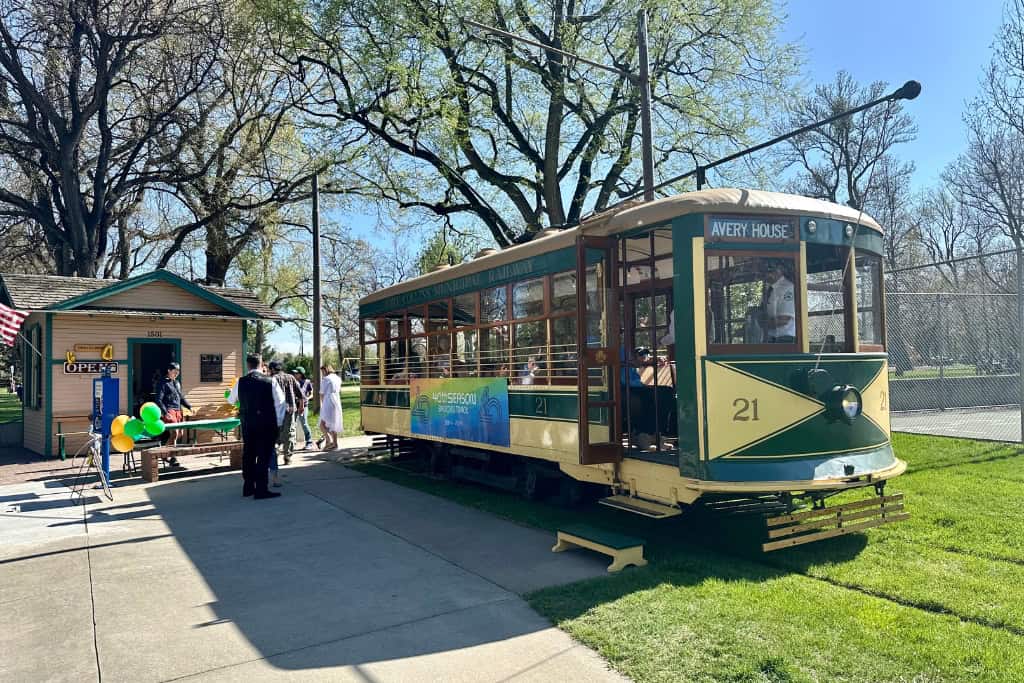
[
  {"x": 117, "y": 426},
  {"x": 122, "y": 443}
]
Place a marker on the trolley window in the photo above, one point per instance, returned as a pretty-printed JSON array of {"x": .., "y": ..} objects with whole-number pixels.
[
  {"x": 870, "y": 312},
  {"x": 752, "y": 302},
  {"x": 828, "y": 299}
]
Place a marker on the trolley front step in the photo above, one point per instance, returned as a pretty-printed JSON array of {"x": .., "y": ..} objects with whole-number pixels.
[
  {"x": 822, "y": 523},
  {"x": 640, "y": 506}
]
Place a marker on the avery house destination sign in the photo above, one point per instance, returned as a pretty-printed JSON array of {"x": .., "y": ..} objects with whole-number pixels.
[{"x": 750, "y": 229}]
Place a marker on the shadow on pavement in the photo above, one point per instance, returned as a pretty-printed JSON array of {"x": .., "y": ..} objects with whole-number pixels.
[{"x": 298, "y": 580}]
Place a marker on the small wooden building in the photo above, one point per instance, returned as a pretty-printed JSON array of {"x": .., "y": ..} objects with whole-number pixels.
[{"x": 135, "y": 327}]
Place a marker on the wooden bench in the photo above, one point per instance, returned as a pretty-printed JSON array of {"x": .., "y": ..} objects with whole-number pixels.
[
  {"x": 624, "y": 550},
  {"x": 151, "y": 457}
]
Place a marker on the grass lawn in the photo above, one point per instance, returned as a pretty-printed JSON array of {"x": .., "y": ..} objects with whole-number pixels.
[
  {"x": 958, "y": 370},
  {"x": 937, "y": 598},
  {"x": 10, "y": 407},
  {"x": 349, "y": 412}
]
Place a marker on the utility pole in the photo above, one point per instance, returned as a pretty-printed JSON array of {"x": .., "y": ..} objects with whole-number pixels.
[
  {"x": 317, "y": 360},
  {"x": 644, "y": 83}
]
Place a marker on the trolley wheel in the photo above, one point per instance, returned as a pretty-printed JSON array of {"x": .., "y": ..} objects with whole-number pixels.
[
  {"x": 441, "y": 461},
  {"x": 531, "y": 486},
  {"x": 570, "y": 491}
]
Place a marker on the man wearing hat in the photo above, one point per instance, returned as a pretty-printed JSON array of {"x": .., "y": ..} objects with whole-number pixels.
[
  {"x": 779, "y": 319},
  {"x": 293, "y": 406},
  {"x": 307, "y": 395}
]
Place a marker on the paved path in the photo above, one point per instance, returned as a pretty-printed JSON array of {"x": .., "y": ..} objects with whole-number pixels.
[
  {"x": 994, "y": 424},
  {"x": 345, "y": 577}
]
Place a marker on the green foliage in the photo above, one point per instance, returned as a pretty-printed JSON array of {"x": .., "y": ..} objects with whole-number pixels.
[
  {"x": 442, "y": 249},
  {"x": 933, "y": 598},
  {"x": 10, "y": 406},
  {"x": 452, "y": 122}
]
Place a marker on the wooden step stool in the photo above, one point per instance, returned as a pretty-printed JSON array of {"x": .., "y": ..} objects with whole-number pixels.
[{"x": 624, "y": 550}]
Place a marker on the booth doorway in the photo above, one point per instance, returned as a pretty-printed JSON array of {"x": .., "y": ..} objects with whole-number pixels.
[{"x": 147, "y": 363}]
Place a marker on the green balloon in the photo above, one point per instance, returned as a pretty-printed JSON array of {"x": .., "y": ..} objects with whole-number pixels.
[
  {"x": 155, "y": 427},
  {"x": 150, "y": 413},
  {"x": 134, "y": 428}
]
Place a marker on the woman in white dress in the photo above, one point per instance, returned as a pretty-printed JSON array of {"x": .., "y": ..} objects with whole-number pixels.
[{"x": 330, "y": 408}]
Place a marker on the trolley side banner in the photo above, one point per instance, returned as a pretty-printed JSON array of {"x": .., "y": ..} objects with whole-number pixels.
[{"x": 466, "y": 408}]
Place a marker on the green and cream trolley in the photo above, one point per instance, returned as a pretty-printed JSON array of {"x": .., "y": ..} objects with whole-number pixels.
[{"x": 723, "y": 345}]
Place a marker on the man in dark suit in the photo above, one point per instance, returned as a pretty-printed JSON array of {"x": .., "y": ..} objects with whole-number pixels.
[{"x": 260, "y": 409}]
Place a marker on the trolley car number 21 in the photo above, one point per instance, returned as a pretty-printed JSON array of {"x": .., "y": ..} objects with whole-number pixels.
[{"x": 744, "y": 406}]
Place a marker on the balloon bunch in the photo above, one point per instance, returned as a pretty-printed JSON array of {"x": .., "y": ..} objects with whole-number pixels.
[
  {"x": 124, "y": 430},
  {"x": 227, "y": 394}
]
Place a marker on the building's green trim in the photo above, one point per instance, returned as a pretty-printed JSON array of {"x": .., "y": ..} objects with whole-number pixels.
[
  {"x": 542, "y": 264},
  {"x": 132, "y": 341},
  {"x": 154, "y": 276},
  {"x": 5, "y": 294},
  {"x": 245, "y": 344},
  {"x": 48, "y": 386}
]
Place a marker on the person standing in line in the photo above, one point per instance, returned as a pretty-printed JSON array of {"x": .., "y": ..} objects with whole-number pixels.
[
  {"x": 170, "y": 398},
  {"x": 292, "y": 407},
  {"x": 306, "y": 387},
  {"x": 261, "y": 408},
  {"x": 330, "y": 409}
]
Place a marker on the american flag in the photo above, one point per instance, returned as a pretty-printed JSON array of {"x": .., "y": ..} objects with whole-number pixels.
[{"x": 10, "y": 322}]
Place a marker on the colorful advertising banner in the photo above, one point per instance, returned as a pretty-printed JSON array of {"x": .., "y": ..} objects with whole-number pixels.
[{"x": 466, "y": 408}]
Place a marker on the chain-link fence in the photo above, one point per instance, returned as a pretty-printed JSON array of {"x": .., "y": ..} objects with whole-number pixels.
[{"x": 955, "y": 338}]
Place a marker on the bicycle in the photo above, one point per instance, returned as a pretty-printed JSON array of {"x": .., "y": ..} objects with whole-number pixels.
[{"x": 92, "y": 452}]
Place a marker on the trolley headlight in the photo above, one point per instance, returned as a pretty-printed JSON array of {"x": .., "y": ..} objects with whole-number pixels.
[{"x": 845, "y": 403}]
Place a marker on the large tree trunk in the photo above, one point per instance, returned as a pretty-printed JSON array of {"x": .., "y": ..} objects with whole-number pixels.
[{"x": 218, "y": 253}]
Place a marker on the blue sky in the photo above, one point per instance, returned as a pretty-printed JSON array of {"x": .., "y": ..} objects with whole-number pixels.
[{"x": 945, "y": 45}]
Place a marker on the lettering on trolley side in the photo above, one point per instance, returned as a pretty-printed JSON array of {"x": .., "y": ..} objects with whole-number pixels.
[{"x": 746, "y": 410}]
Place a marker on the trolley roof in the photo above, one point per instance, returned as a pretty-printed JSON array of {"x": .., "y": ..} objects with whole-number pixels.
[{"x": 633, "y": 215}]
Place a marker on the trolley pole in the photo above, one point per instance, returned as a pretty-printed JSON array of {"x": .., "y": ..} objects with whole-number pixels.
[
  {"x": 644, "y": 82},
  {"x": 317, "y": 361}
]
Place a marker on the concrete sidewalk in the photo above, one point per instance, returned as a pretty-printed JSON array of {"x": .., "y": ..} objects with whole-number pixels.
[{"x": 344, "y": 577}]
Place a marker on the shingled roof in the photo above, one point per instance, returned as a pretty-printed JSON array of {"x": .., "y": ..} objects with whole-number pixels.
[{"x": 49, "y": 292}]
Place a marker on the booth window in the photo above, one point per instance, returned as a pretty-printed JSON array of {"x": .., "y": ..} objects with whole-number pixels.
[
  {"x": 32, "y": 369},
  {"x": 828, "y": 298},
  {"x": 753, "y": 301},
  {"x": 870, "y": 325},
  {"x": 211, "y": 367}
]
